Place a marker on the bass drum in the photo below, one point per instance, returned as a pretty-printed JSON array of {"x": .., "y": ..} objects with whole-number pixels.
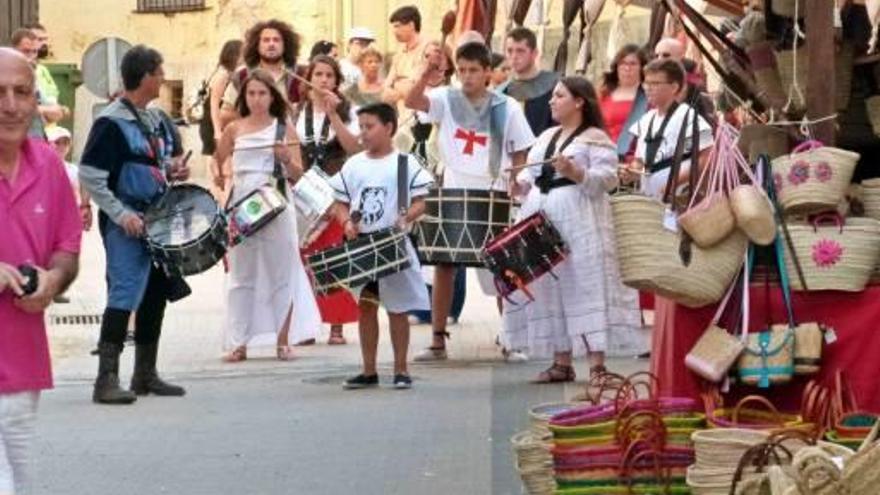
[
  {"x": 458, "y": 223},
  {"x": 186, "y": 231}
]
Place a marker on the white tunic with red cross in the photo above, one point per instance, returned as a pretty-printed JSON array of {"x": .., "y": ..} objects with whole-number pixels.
[{"x": 464, "y": 152}]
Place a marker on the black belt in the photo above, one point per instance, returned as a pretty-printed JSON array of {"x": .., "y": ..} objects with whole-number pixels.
[{"x": 547, "y": 186}]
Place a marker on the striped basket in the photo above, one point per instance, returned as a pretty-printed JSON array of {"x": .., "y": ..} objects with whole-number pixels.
[
  {"x": 834, "y": 257},
  {"x": 650, "y": 259}
]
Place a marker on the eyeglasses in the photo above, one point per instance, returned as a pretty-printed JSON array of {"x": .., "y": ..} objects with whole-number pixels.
[
  {"x": 663, "y": 55},
  {"x": 654, "y": 84}
]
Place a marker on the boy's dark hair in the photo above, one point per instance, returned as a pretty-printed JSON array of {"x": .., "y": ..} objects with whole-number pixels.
[
  {"x": 523, "y": 33},
  {"x": 673, "y": 70},
  {"x": 35, "y": 25},
  {"x": 474, "y": 52},
  {"x": 407, "y": 14},
  {"x": 137, "y": 63},
  {"x": 322, "y": 47},
  {"x": 382, "y": 111}
]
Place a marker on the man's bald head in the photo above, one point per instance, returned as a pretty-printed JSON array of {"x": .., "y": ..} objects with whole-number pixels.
[
  {"x": 12, "y": 59},
  {"x": 669, "y": 48},
  {"x": 18, "y": 99}
]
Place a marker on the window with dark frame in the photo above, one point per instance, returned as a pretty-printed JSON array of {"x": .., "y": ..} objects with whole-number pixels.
[{"x": 169, "y": 6}]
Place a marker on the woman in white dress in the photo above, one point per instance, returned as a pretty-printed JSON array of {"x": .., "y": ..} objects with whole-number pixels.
[
  {"x": 269, "y": 298},
  {"x": 574, "y": 312}
]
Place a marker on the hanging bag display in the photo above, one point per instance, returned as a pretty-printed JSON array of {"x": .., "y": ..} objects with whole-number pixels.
[{"x": 655, "y": 256}]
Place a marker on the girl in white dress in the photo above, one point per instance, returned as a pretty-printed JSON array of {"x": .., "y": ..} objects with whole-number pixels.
[
  {"x": 269, "y": 295},
  {"x": 576, "y": 311}
]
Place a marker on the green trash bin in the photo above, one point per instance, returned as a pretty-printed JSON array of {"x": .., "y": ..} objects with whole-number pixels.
[{"x": 67, "y": 77}]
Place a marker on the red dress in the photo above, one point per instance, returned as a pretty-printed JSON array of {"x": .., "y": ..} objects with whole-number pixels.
[
  {"x": 615, "y": 113},
  {"x": 338, "y": 307}
]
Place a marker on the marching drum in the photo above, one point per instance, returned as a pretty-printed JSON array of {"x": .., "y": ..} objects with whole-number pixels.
[
  {"x": 358, "y": 262},
  {"x": 254, "y": 211},
  {"x": 523, "y": 253},
  {"x": 313, "y": 197},
  {"x": 186, "y": 231},
  {"x": 458, "y": 223}
]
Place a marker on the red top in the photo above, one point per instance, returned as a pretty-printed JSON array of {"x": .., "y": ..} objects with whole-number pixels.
[
  {"x": 38, "y": 218},
  {"x": 615, "y": 114}
]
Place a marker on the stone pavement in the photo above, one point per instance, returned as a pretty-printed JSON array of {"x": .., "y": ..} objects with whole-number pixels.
[{"x": 267, "y": 427}]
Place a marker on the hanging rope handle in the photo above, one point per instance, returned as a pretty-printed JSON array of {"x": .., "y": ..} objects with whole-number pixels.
[{"x": 808, "y": 145}]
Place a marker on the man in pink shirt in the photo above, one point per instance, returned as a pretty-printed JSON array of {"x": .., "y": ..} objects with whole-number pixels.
[{"x": 41, "y": 229}]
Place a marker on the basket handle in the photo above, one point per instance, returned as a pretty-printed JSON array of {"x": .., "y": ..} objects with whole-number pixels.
[
  {"x": 810, "y": 144},
  {"x": 829, "y": 216},
  {"x": 761, "y": 400},
  {"x": 636, "y": 451}
]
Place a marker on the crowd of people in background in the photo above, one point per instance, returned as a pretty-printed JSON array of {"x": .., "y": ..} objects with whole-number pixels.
[{"x": 345, "y": 113}]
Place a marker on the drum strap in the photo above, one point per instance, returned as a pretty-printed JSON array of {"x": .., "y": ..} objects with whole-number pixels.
[
  {"x": 402, "y": 184},
  {"x": 149, "y": 134},
  {"x": 315, "y": 148},
  {"x": 278, "y": 172},
  {"x": 545, "y": 181}
]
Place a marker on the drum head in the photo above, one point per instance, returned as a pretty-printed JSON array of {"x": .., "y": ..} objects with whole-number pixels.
[{"x": 183, "y": 215}]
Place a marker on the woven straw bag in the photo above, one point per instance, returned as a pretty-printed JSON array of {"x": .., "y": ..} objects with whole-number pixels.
[
  {"x": 763, "y": 60},
  {"x": 861, "y": 473},
  {"x": 758, "y": 139},
  {"x": 814, "y": 178},
  {"x": 710, "y": 220},
  {"x": 786, "y": 8},
  {"x": 716, "y": 350},
  {"x": 871, "y": 198},
  {"x": 808, "y": 341},
  {"x": 834, "y": 257},
  {"x": 751, "y": 206},
  {"x": 872, "y": 105},
  {"x": 650, "y": 260},
  {"x": 768, "y": 358},
  {"x": 793, "y": 66},
  {"x": 534, "y": 462}
]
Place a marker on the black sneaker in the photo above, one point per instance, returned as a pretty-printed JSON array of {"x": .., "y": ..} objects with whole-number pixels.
[
  {"x": 402, "y": 382},
  {"x": 361, "y": 381}
]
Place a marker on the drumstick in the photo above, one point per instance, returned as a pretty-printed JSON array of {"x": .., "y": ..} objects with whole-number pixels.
[
  {"x": 633, "y": 170},
  {"x": 265, "y": 146},
  {"x": 529, "y": 165}
]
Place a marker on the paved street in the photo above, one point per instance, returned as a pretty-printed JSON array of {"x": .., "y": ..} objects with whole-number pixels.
[{"x": 267, "y": 427}]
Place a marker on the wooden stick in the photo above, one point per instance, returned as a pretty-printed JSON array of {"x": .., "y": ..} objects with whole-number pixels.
[
  {"x": 303, "y": 80},
  {"x": 264, "y": 146},
  {"x": 528, "y": 165}
]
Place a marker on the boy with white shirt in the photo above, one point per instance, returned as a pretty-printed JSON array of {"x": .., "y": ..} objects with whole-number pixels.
[
  {"x": 368, "y": 185},
  {"x": 482, "y": 133}
]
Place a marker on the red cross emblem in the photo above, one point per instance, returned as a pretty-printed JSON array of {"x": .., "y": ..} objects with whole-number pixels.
[{"x": 470, "y": 137}]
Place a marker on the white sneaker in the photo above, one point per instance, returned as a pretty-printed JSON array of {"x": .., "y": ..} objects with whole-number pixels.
[
  {"x": 430, "y": 355},
  {"x": 516, "y": 357}
]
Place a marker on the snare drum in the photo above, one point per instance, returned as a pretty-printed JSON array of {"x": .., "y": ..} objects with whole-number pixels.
[
  {"x": 254, "y": 211},
  {"x": 458, "y": 223},
  {"x": 186, "y": 231},
  {"x": 523, "y": 253},
  {"x": 358, "y": 262},
  {"x": 312, "y": 197}
]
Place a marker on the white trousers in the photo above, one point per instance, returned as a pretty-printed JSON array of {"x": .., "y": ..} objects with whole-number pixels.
[{"x": 18, "y": 421}]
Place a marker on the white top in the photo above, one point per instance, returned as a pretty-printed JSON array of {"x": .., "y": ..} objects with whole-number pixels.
[
  {"x": 645, "y": 128},
  {"x": 465, "y": 152},
  {"x": 369, "y": 185},
  {"x": 318, "y": 123},
  {"x": 351, "y": 73}
]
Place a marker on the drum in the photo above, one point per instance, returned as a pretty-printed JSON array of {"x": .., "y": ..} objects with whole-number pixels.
[
  {"x": 523, "y": 253},
  {"x": 358, "y": 262},
  {"x": 458, "y": 223},
  {"x": 186, "y": 231},
  {"x": 312, "y": 197},
  {"x": 254, "y": 211}
]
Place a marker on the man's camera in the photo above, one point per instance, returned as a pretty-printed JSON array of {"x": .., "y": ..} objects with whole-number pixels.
[{"x": 31, "y": 279}]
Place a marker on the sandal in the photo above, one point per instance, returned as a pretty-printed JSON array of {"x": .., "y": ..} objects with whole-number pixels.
[
  {"x": 284, "y": 353},
  {"x": 336, "y": 339},
  {"x": 237, "y": 355},
  {"x": 557, "y": 373}
]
